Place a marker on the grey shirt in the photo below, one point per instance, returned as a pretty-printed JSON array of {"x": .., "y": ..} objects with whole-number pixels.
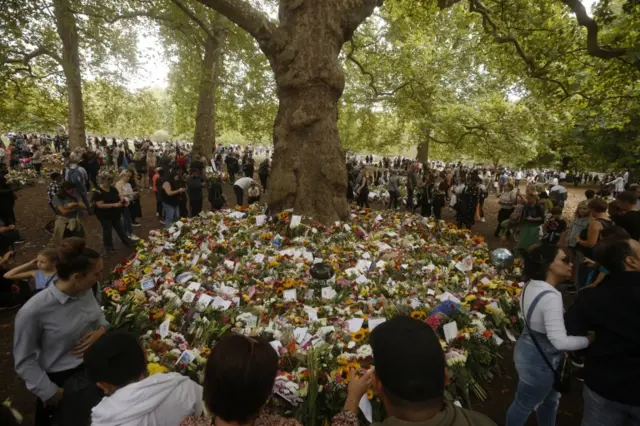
[
  {"x": 57, "y": 202},
  {"x": 47, "y": 328},
  {"x": 394, "y": 185}
]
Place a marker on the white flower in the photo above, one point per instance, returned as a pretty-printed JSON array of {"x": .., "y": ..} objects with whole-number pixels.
[{"x": 364, "y": 351}]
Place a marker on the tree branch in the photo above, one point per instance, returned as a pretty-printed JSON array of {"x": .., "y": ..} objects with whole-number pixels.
[
  {"x": 183, "y": 7},
  {"x": 593, "y": 46},
  {"x": 241, "y": 13},
  {"x": 364, "y": 71}
]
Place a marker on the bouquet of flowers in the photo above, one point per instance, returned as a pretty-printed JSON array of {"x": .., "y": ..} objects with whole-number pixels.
[{"x": 245, "y": 272}]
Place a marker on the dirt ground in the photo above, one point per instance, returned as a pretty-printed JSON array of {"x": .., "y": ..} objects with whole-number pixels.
[{"x": 33, "y": 212}]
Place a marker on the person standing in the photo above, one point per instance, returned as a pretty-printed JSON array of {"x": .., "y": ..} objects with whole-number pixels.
[
  {"x": 263, "y": 173},
  {"x": 612, "y": 373},
  {"x": 559, "y": 194},
  {"x": 618, "y": 185},
  {"x": 156, "y": 184},
  {"x": 362, "y": 189},
  {"x": 109, "y": 207},
  {"x": 78, "y": 176},
  {"x": 507, "y": 204},
  {"x": 125, "y": 190},
  {"x": 412, "y": 182},
  {"x": 36, "y": 159},
  {"x": 394, "y": 190},
  {"x": 531, "y": 218},
  {"x": 589, "y": 237},
  {"x": 48, "y": 346},
  {"x": 630, "y": 219},
  {"x": 540, "y": 348},
  {"x": 195, "y": 185},
  {"x": 151, "y": 165},
  {"x": 172, "y": 188},
  {"x": 68, "y": 208},
  {"x": 7, "y": 198}
]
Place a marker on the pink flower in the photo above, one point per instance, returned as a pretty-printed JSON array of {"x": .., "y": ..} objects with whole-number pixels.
[{"x": 183, "y": 347}]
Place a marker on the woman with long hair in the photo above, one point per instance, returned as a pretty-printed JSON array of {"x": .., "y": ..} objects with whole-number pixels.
[
  {"x": 172, "y": 188},
  {"x": 543, "y": 343},
  {"x": 589, "y": 237},
  {"x": 52, "y": 332},
  {"x": 125, "y": 190}
]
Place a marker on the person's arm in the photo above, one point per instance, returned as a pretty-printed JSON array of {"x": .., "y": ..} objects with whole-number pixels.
[
  {"x": 552, "y": 314},
  {"x": 22, "y": 272},
  {"x": 25, "y": 354},
  {"x": 592, "y": 234},
  {"x": 167, "y": 188},
  {"x": 68, "y": 209}
]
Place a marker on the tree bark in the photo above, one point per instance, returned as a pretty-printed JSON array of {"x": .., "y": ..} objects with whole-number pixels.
[
  {"x": 423, "y": 152},
  {"x": 309, "y": 170},
  {"x": 68, "y": 33},
  {"x": 204, "y": 138}
]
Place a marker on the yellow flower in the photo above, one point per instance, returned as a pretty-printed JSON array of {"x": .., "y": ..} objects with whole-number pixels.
[
  {"x": 155, "y": 368},
  {"x": 359, "y": 335},
  {"x": 419, "y": 315},
  {"x": 369, "y": 394},
  {"x": 342, "y": 360},
  {"x": 470, "y": 298}
]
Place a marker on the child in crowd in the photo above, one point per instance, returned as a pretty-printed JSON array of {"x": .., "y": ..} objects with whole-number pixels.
[
  {"x": 43, "y": 276},
  {"x": 554, "y": 227},
  {"x": 253, "y": 193},
  {"x": 117, "y": 364},
  {"x": 580, "y": 222},
  {"x": 509, "y": 228}
]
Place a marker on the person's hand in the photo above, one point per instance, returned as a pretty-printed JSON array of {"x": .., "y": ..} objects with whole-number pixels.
[
  {"x": 7, "y": 255},
  {"x": 12, "y": 227},
  {"x": 33, "y": 262},
  {"x": 118, "y": 205},
  {"x": 86, "y": 341},
  {"x": 357, "y": 388},
  {"x": 55, "y": 399}
]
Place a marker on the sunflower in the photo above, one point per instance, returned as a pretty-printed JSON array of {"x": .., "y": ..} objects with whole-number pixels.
[
  {"x": 419, "y": 315},
  {"x": 370, "y": 394},
  {"x": 359, "y": 335}
]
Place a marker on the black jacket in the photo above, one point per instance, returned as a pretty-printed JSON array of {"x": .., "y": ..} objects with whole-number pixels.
[{"x": 612, "y": 366}]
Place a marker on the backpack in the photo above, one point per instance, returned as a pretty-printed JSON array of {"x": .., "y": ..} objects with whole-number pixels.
[
  {"x": 263, "y": 170},
  {"x": 76, "y": 177}
]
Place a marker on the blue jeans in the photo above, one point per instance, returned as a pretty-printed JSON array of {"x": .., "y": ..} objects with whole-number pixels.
[
  {"x": 171, "y": 214},
  {"x": 535, "y": 382},
  {"x": 599, "y": 411}
]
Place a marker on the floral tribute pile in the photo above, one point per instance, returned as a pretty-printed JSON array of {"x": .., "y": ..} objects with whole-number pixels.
[
  {"x": 245, "y": 272},
  {"x": 21, "y": 178}
]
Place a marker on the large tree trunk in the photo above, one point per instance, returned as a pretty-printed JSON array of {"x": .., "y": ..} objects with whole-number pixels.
[
  {"x": 423, "y": 152},
  {"x": 68, "y": 32},
  {"x": 204, "y": 138},
  {"x": 309, "y": 168}
]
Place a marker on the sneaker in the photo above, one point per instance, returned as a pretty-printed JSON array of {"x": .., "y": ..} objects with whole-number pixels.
[
  {"x": 136, "y": 224},
  {"x": 20, "y": 241},
  {"x": 134, "y": 238},
  {"x": 162, "y": 221},
  {"x": 482, "y": 219}
]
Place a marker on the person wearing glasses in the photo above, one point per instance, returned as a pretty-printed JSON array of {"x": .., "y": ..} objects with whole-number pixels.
[{"x": 544, "y": 340}]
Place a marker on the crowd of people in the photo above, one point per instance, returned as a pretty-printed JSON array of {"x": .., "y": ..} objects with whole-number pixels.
[{"x": 82, "y": 372}]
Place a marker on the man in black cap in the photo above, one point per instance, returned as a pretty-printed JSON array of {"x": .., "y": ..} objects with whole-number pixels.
[{"x": 410, "y": 377}]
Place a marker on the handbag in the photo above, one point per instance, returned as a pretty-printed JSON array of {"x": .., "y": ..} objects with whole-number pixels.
[{"x": 562, "y": 375}]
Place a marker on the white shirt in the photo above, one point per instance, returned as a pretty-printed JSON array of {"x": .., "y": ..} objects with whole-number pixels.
[
  {"x": 158, "y": 400},
  {"x": 518, "y": 174},
  {"x": 619, "y": 184},
  {"x": 548, "y": 317},
  {"x": 244, "y": 183},
  {"x": 563, "y": 175}
]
